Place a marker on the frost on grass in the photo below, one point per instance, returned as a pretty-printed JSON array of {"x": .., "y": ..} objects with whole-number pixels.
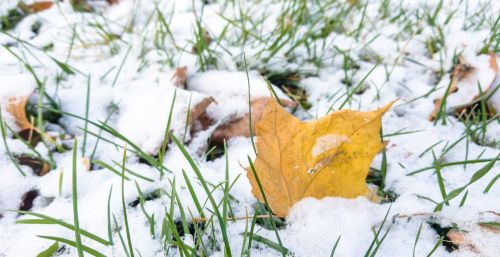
[{"x": 329, "y": 55}]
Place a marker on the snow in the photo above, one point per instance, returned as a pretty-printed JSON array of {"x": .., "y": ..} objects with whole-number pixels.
[
  {"x": 127, "y": 55},
  {"x": 328, "y": 142},
  {"x": 144, "y": 113},
  {"x": 230, "y": 90}
]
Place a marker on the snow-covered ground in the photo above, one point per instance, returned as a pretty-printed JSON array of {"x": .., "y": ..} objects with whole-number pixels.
[{"x": 122, "y": 60}]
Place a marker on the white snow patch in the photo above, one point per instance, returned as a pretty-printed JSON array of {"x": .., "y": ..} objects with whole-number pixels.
[{"x": 328, "y": 142}]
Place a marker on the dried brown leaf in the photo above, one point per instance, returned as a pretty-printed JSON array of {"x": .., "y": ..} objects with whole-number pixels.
[
  {"x": 27, "y": 200},
  {"x": 200, "y": 109},
  {"x": 180, "y": 77},
  {"x": 40, "y": 6},
  {"x": 463, "y": 71},
  {"x": 17, "y": 108},
  {"x": 207, "y": 40},
  {"x": 241, "y": 126},
  {"x": 39, "y": 167}
]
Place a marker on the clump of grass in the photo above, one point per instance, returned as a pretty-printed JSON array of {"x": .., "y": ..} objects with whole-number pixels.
[
  {"x": 457, "y": 191},
  {"x": 477, "y": 116},
  {"x": 214, "y": 151},
  {"x": 4, "y": 139},
  {"x": 288, "y": 81},
  {"x": 377, "y": 242},
  {"x": 493, "y": 42},
  {"x": 78, "y": 237},
  {"x": 11, "y": 19},
  {"x": 375, "y": 177},
  {"x": 260, "y": 210}
]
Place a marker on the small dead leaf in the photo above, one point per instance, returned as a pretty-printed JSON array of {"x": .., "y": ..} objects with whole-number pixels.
[
  {"x": 180, "y": 77},
  {"x": 86, "y": 163},
  {"x": 327, "y": 157},
  {"x": 39, "y": 167},
  {"x": 31, "y": 136},
  {"x": 196, "y": 115},
  {"x": 27, "y": 200},
  {"x": 240, "y": 126},
  {"x": 198, "y": 118},
  {"x": 464, "y": 80},
  {"x": 35, "y": 7},
  {"x": 207, "y": 40},
  {"x": 202, "y": 123},
  {"x": 40, "y": 6},
  {"x": 17, "y": 108},
  {"x": 200, "y": 109},
  {"x": 457, "y": 237},
  {"x": 461, "y": 240},
  {"x": 462, "y": 70},
  {"x": 490, "y": 228}
]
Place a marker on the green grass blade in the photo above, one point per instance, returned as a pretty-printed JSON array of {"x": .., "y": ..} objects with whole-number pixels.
[
  {"x": 87, "y": 105},
  {"x": 49, "y": 252},
  {"x": 439, "y": 177},
  {"x": 4, "y": 138},
  {"x": 74, "y": 244},
  {"x": 50, "y": 220},
  {"x": 105, "y": 165},
  {"x": 273, "y": 245},
  {"x": 34, "y": 221},
  {"x": 124, "y": 246},
  {"x": 271, "y": 218},
  {"x": 332, "y": 253},
  {"x": 193, "y": 194},
  {"x": 78, "y": 238},
  {"x": 475, "y": 177},
  {"x": 417, "y": 238},
  {"x": 222, "y": 224},
  {"x": 438, "y": 243},
  {"x": 124, "y": 206},
  {"x": 375, "y": 238},
  {"x": 64, "y": 66},
  {"x": 110, "y": 232},
  {"x": 490, "y": 185}
]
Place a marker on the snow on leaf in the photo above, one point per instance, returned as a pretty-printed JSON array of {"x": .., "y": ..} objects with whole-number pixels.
[
  {"x": 327, "y": 157},
  {"x": 179, "y": 77},
  {"x": 467, "y": 76}
]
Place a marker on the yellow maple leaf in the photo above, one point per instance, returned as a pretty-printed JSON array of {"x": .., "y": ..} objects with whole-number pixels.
[{"x": 327, "y": 157}]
